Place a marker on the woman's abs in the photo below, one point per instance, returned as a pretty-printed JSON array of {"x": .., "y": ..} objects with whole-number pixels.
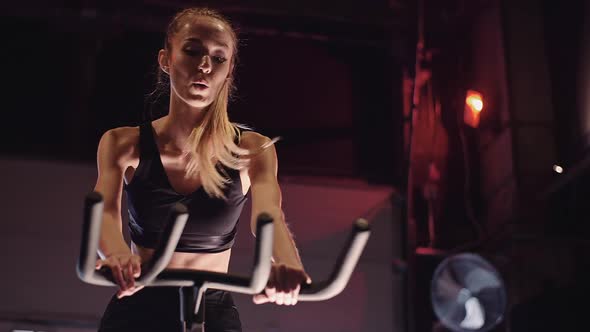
[{"x": 216, "y": 262}]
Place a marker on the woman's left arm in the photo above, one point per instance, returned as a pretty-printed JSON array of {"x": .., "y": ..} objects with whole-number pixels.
[{"x": 287, "y": 273}]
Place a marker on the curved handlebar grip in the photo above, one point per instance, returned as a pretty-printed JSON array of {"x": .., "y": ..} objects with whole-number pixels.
[
  {"x": 343, "y": 268},
  {"x": 263, "y": 254},
  {"x": 93, "y": 208},
  {"x": 166, "y": 245}
]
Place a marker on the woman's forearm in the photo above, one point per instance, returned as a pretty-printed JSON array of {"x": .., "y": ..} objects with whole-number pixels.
[
  {"x": 111, "y": 237},
  {"x": 284, "y": 248}
]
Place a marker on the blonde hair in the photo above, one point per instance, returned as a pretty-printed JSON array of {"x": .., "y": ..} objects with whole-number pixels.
[{"x": 213, "y": 140}]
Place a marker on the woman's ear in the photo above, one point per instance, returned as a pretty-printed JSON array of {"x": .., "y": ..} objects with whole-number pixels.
[{"x": 163, "y": 61}]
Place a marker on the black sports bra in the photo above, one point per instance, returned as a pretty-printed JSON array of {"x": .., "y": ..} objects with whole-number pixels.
[{"x": 212, "y": 223}]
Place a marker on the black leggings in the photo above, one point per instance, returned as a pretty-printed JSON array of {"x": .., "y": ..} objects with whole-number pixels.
[{"x": 157, "y": 309}]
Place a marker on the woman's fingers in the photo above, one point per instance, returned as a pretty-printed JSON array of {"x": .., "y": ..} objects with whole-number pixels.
[
  {"x": 289, "y": 281},
  {"x": 130, "y": 288},
  {"x": 118, "y": 275},
  {"x": 129, "y": 275},
  {"x": 124, "y": 269},
  {"x": 136, "y": 267},
  {"x": 295, "y": 295},
  {"x": 260, "y": 299},
  {"x": 128, "y": 292},
  {"x": 280, "y": 279},
  {"x": 288, "y": 298},
  {"x": 291, "y": 284},
  {"x": 298, "y": 288},
  {"x": 271, "y": 287},
  {"x": 284, "y": 286}
]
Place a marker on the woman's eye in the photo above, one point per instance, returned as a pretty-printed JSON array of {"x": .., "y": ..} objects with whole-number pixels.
[
  {"x": 192, "y": 52},
  {"x": 219, "y": 59},
  {"x": 216, "y": 58}
]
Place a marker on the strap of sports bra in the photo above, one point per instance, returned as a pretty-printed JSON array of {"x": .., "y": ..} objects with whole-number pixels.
[
  {"x": 147, "y": 142},
  {"x": 147, "y": 146}
]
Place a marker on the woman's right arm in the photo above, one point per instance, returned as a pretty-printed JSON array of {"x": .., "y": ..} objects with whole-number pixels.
[{"x": 112, "y": 159}]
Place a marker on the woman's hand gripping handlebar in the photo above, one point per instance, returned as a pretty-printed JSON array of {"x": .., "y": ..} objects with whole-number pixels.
[{"x": 154, "y": 273}]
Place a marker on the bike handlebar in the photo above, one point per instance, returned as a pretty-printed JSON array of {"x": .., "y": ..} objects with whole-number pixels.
[{"x": 155, "y": 274}]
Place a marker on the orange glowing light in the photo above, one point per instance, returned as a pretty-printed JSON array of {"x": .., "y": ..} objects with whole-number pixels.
[
  {"x": 473, "y": 107},
  {"x": 474, "y": 101}
]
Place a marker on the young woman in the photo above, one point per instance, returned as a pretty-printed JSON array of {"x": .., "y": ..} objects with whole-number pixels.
[{"x": 196, "y": 156}]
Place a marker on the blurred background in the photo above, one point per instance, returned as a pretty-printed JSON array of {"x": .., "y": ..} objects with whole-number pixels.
[{"x": 453, "y": 126}]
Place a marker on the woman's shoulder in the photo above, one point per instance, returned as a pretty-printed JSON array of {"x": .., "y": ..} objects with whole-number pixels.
[
  {"x": 122, "y": 143},
  {"x": 251, "y": 139}
]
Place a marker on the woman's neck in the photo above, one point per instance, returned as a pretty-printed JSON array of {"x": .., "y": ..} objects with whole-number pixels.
[{"x": 179, "y": 124}]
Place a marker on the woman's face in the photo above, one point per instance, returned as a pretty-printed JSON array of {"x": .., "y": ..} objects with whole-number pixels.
[{"x": 199, "y": 61}]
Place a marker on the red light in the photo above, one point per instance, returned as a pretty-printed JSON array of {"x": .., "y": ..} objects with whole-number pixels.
[
  {"x": 475, "y": 104},
  {"x": 473, "y": 107}
]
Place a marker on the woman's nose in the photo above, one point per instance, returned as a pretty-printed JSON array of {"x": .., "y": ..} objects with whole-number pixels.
[{"x": 205, "y": 65}]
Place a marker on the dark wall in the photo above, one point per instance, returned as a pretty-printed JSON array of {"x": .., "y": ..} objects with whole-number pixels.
[
  {"x": 330, "y": 87},
  {"x": 567, "y": 34},
  {"x": 566, "y": 39}
]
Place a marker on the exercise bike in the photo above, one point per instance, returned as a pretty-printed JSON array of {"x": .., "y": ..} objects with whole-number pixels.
[{"x": 192, "y": 283}]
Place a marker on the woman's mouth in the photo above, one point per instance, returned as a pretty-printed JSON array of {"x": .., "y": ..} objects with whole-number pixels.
[{"x": 199, "y": 86}]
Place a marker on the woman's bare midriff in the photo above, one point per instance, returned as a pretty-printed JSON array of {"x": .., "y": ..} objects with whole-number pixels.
[{"x": 216, "y": 262}]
